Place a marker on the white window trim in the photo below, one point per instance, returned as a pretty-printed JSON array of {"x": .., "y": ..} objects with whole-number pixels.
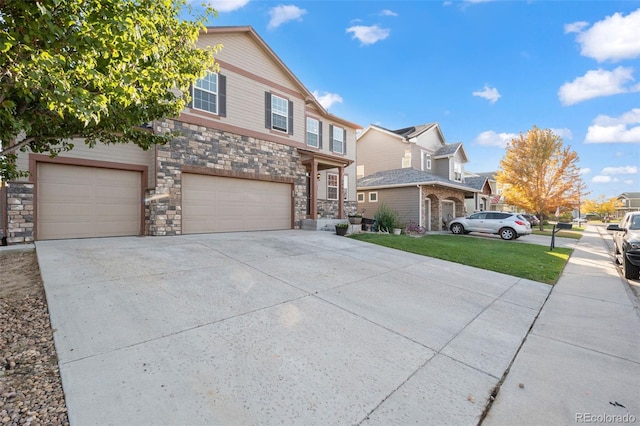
[
  {"x": 317, "y": 145},
  {"x": 360, "y": 197},
  {"x": 343, "y": 141},
  {"x": 375, "y": 194},
  {"x": 193, "y": 92},
  {"x": 274, "y": 113},
  {"x": 336, "y": 186},
  {"x": 426, "y": 165}
]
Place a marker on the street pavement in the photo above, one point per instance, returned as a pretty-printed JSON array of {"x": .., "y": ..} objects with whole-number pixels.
[{"x": 305, "y": 327}]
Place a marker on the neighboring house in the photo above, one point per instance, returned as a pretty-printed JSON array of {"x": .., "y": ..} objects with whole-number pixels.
[
  {"x": 257, "y": 152},
  {"x": 629, "y": 201},
  {"x": 415, "y": 172}
]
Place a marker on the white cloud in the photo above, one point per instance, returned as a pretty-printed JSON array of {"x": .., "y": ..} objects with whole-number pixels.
[
  {"x": 575, "y": 27},
  {"x": 369, "y": 34},
  {"x": 563, "y": 133},
  {"x": 227, "y": 5},
  {"x": 585, "y": 171},
  {"x": 624, "y": 170},
  {"x": 489, "y": 93},
  {"x": 623, "y": 129},
  {"x": 387, "y": 12},
  {"x": 628, "y": 182},
  {"x": 614, "y": 38},
  {"x": 602, "y": 179},
  {"x": 281, "y": 14},
  {"x": 596, "y": 83},
  {"x": 327, "y": 99},
  {"x": 491, "y": 138}
]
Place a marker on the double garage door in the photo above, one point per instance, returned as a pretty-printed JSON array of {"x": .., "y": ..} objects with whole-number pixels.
[
  {"x": 223, "y": 204},
  {"x": 83, "y": 202}
]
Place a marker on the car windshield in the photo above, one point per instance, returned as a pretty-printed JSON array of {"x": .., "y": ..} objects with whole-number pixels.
[{"x": 635, "y": 222}]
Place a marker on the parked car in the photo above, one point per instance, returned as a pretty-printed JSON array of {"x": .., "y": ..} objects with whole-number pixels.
[
  {"x": 626, "y": 244},
  {"x": 533, "y": 219},
  {"x": 508, "y": 225}
]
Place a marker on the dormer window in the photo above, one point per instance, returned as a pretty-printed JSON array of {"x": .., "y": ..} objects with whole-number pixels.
[{"x": 426, "y": 161}]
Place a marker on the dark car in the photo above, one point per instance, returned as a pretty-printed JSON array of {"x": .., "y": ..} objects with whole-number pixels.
[
  {"x": 533, "y": 219},
  {"x": 626, "y": 244}
]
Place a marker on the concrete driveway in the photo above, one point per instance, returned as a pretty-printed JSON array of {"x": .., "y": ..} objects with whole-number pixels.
[{"x": 285, "y": 327}]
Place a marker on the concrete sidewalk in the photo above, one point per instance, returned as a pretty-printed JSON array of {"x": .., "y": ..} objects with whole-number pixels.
[{"x": 581, "y": 361}]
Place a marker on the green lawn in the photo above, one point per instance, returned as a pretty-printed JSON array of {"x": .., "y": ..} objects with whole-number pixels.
[
  {"x": 530, "y": 261},
  {"x": 575, "y": 231}
]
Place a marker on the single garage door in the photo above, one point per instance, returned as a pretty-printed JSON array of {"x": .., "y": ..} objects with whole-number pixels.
[
  {"x": 222, "y": 204},
  {"x": 84, "y": 202}
]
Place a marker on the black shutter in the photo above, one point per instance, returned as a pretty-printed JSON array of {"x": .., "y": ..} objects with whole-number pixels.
[
  {"x": 331, "y": 137},
  {"x": 267, "y": 110},
  {"x": 344, "y": 141},
  {"x": 290, "y": 126},
  {"x": 190, "y": 104},
  {"x": 320, "y": 134},
  {"x": 222, "y": 95}
]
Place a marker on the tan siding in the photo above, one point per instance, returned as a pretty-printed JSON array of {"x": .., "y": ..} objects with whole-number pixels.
[
  {"x": 405, "y": 201},
  {"x": 241, "y": 50},
  {"x": 377, "y": 152},
  {"x": 121, "y": 153}
]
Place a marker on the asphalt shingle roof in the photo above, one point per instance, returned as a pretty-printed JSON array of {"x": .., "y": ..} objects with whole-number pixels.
[
  {"x": 476, "y": 182},
  {"x": 407, "y": 176},
  {"x": 448, "y": 149}
]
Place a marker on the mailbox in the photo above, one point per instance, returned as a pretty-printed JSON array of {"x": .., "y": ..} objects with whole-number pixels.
[{"x": 562, "y": 225}]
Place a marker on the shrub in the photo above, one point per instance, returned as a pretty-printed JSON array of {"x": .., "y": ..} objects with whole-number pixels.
[{"x": 386, "y": 217}]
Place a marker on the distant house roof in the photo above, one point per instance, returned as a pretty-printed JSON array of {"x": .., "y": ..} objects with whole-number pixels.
[
  {"x": 488, "y": 175},
  {"x": 408, "y": 177},
  {"x": 629, "y": 195},
  {"x": 476, "y": 182},
  {"x": 413, "y": 131},
  {"x": 448, "y": 150}
]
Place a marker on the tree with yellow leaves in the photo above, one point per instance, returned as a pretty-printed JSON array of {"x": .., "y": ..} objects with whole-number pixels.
[
  {"x": 601, "y": 206},
  {"x": 539, "y": 174}
]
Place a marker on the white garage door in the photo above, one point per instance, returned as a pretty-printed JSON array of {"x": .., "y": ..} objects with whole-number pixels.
[
  {"x": 83, "y": 202},
  {"x": 222, "y": 204}
]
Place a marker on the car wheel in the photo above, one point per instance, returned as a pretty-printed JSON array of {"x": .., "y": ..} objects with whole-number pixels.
[
  {"x": 631, "y": 271},
  {"x": 507, "y": 234},
  {"x": 456, "y": 228}
]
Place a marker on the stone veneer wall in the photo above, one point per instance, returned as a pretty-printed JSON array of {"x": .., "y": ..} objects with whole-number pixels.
[
  {"x": 20, "y": 211},
  {"x": 210, "y": 149},
  {"x": 438, "y": 194},
  {"x": 328, "y": 209}
]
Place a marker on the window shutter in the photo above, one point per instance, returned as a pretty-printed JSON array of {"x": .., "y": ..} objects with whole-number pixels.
[
  {"x": 344, "y": 141},
  {"x": 190, "y": 104},
  {"x": 320, "y": 134},
  {"x": 331, "y": 137},
  {"x": 222, "y": 95},
  {"x": 267, "y": 110},
  {"x": 290, "y": 126}
]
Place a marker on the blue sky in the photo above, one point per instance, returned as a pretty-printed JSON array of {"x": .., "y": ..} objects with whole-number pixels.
[{"x": 484, "y": 70}]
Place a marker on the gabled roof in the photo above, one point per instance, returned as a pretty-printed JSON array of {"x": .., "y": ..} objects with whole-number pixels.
[
  {"x": 413, "y": 131},
  {"x": 449, "y": 150},
  {"x": 408, "y": 177},
  {"x": 476, "y": 182},
  {"x": 309, "y": 98},
  {"x": 629, "y": 195}
]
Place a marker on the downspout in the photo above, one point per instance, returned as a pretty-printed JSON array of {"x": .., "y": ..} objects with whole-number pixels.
[{"x": 419, "y": 205}]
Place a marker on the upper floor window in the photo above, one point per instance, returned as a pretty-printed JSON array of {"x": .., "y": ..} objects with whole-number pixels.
[
  {"x": 209, "y": 94},
  {"x": 332, "y": 186},
  {"x": 314, "y": 133},
  {"x": 278, "y": 113},
  {"x": 338, "y": 139},
  {"x": 457, "y": 169},
  {"x": 426, "y": 161}
]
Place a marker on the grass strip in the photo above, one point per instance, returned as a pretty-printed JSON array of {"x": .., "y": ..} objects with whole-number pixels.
[{"x": 531, "y": 261}]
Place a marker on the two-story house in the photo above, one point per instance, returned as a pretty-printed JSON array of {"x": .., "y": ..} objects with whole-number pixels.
[
  {"x": 415, "y": 172},
  {"x": 256, "y": 151}
]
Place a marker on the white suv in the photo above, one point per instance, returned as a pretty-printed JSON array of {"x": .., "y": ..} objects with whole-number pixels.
[{"x": 507, "y": 225}]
